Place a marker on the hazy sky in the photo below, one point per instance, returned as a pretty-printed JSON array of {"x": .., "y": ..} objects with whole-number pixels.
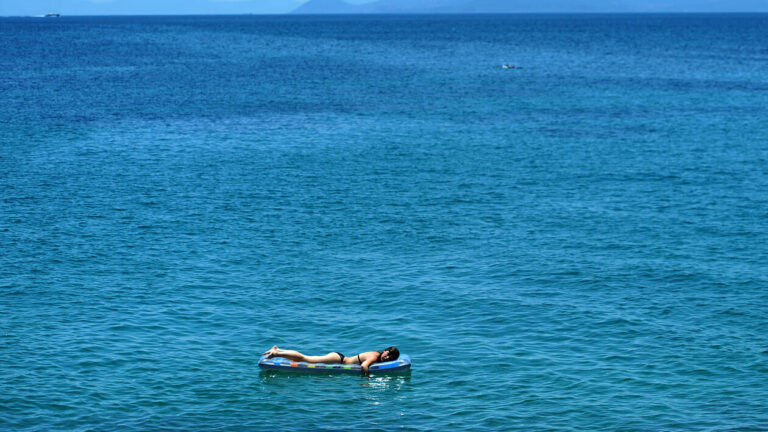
[
  {"x": 171, "y": 7},
  {"x": 86, "y": 7}
]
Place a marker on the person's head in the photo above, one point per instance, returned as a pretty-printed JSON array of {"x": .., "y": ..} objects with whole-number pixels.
[{"x": 390, "y": 354}]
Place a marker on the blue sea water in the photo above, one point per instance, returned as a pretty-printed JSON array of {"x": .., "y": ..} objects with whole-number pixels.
[{"x": 579, "y": 244}]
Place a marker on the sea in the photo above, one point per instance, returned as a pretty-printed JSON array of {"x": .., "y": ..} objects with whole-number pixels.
[{"x": 575, "y": 243}]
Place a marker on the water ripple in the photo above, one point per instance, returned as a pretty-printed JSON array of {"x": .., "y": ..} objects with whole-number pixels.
[{"x": 566, "y": 248}]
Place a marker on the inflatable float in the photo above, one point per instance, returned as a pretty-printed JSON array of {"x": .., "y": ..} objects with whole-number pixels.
[{"x": 402, "y": 364}]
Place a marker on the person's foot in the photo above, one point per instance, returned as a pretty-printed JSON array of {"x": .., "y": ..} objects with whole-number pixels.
[{"x": 271, "y": 352}]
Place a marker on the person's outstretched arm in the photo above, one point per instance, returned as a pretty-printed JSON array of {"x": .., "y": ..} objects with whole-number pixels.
[{"x": 366, "y": 365}]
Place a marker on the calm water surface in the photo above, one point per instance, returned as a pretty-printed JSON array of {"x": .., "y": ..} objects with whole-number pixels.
[{"x": 580, "y": 244}]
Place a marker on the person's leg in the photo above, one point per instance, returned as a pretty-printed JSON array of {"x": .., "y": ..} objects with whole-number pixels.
[
  {"x": 297, "y": 356},
  {"x": 289, "y": 354},
  {"x": 328, "y": 358}
]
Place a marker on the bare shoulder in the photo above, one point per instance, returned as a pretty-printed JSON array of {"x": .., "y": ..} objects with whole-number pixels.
[{"x": 370, "y": 355}]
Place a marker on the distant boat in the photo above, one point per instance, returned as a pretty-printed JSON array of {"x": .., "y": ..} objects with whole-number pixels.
[
  {"x": 51, "y": 15},
  {"x": 509, "y": 66}
]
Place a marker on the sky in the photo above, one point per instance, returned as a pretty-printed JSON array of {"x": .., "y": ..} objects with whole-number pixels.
[
  {"x": 152, "y": 7},
  {"x": 90, "y": 7}
]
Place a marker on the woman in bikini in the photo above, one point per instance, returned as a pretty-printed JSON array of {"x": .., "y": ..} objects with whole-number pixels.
[{"x": 365, "y": 360}]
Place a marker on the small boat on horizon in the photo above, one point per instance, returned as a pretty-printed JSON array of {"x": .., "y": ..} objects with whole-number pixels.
[{"x": 51, "y": 15}]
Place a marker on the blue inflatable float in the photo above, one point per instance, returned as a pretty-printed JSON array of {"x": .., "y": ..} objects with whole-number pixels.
[{"x": 402, "y": 364}]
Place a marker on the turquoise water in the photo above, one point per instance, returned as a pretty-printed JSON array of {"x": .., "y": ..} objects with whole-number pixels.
[{"x": 580, "y": 244}]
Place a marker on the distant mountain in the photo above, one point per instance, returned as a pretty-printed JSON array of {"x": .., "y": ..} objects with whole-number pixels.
[
  {"x": 327, "y": 7},
  {"x": 532, "y": 6}
]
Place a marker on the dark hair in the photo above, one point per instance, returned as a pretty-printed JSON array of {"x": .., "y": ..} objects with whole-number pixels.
[{"x": 394, "y": 352}]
